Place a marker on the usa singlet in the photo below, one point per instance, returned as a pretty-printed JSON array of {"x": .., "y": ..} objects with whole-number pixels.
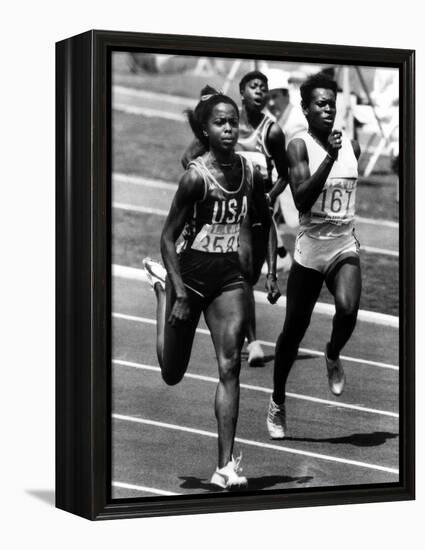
[
  {"x": 332, "y": 215},
  {"x": 216, "y": 219}
]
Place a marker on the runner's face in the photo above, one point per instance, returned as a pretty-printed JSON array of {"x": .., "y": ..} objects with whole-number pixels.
[
  {"x": 276, "y": 102},
  {"x": 254, "y": 94},
  {"x": 223, "y": 127},
  {"x": 321, "y": 111}
]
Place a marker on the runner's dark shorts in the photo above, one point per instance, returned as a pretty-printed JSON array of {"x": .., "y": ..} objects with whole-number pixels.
[{"x": 207, "y": 275}]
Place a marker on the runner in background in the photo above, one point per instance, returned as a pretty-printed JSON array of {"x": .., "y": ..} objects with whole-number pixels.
[
  {"x": 284, "y": 104},
  {"x": 211, "y": 210}
]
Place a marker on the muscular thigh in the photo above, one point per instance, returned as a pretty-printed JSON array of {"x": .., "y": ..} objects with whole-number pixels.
[
  {"x": 225, "y": 317},
  {"x": 345, "y": 283},
  {"x": 303, "y": 290}
]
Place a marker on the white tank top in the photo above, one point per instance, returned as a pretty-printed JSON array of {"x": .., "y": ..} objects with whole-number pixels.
[
  {"x": 252, "y": 145},
  {"x": 332, "y": 215}
]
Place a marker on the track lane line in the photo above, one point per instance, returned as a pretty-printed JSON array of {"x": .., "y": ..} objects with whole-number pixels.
[
  {"x": 164, "y": 213},
  {"x": 136, "y": 274},
  {"x": 384, "y": 223},
  {"x": 148, "y": 112},
  {"x": 382, "y": 251},
  {"x": 335, "y": 404},
  {"x": 140, "y": 209},
  {"x": 145, "y": 94},
  {"x": 317, "y": 353},
  {"x": 253, "y": 443},
  {"x": 122, "y": 485}
]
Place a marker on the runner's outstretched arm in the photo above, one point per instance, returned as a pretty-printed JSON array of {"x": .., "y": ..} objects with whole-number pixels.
[
  {"x": 190, "y": 190},
  {"x": 277, "y": 148},
  {"x": 259, "y": 199}
]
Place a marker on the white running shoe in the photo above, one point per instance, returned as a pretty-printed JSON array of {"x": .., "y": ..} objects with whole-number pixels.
[
  {"x": 276, "y": 420},
  {"x": 228, "y": 477},
  {"x": 255, "y": 354},
  {"x": 336, "y": 375},
  {"x": 155, "y": 272}
]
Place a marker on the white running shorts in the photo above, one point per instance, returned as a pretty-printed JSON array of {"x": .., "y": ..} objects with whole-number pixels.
[{"x": 323, "y": 254}]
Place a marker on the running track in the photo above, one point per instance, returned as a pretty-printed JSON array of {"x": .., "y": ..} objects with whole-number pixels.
[{"x": 164, "y": 437}]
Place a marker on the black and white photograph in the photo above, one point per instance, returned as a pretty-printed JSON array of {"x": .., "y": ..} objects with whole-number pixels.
[
  {"x": 255, "y": 331},
  {"x": 238, "y": 436}
]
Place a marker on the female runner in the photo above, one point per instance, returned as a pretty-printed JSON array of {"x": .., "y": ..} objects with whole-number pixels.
[
  {"x": 211, "y": 207},
  {"x": 323, "y": 175}
]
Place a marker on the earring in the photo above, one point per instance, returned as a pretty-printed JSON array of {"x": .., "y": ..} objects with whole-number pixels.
[{"x": 205, "y": 133}]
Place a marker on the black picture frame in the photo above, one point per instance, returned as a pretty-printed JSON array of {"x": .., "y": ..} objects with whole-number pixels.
[{"x": 83, "y": 273}]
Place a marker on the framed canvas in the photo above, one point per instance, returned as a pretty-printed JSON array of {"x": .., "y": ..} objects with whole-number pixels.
[{"x": 137, "y": 435}]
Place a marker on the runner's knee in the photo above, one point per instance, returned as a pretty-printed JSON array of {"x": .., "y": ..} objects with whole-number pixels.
[
  {"x": 229, "y": 366},
  {"x": 346, "y": 306}
]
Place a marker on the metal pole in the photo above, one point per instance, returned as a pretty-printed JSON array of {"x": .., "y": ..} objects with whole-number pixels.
[
  {"x": 232, "y": 73},
  {"x": 348, "y": 115},
  {"x": 363, "y": 83}
]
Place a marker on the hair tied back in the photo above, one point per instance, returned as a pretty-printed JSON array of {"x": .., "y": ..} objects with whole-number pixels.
[{"x": 206, "y": 97}]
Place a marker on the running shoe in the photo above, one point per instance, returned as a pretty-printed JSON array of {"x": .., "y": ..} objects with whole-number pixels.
[
  {"x": 228, "y": 477},
  {"x": 276, "y": 420},
  {"x": 155, "y": 272},
  {"x": 336, "y": 376},
  {"x": 255, "y": 354}
]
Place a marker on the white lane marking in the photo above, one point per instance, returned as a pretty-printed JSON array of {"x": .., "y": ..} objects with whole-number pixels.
[
  {"x": 329, "y": 309},
  {"x": 145, "y": 111},
  {"x": 143, "y": 94},
  {"x": 253, "y": 443},
  {"x": 140, "y": 209},
  {"x": 203, "y": 378},
  {"x": 371, "y": 221},
  {"x": 144, "y": 489},
  {"x": 261, "y": 297},
  {"x": 144, "y": 182},
  {"x": 266, "y": 343},
  {"x": 164, "y": 213},
  {"x": 382, "y": 251}
]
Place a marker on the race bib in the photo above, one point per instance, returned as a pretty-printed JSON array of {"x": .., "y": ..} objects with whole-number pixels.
[
  {"x": 217, "y": 238},
  {"x": 336, "y": 202}
]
